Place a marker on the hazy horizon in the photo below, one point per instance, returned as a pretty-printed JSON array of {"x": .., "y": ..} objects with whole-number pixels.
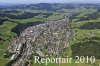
[{"x": 47, "y": 1}]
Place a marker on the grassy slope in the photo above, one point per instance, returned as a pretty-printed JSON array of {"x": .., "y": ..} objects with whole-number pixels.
[
  {"x": 5, "y": 30},
  {"x": 81, "y": 34}
]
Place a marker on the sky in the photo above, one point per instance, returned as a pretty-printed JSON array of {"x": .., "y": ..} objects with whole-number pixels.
[{"x": 48, "y": 1}]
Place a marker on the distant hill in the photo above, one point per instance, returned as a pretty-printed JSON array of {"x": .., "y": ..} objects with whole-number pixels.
[{"x": 54, "y": 6}]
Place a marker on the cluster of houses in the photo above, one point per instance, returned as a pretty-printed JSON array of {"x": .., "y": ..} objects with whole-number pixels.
[{"x": 47, "y": 39}]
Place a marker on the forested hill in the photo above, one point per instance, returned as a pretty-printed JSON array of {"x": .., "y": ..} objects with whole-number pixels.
[{"x": 48, "y": 6}]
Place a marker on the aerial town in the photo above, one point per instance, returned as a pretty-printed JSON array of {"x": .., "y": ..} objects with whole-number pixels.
[
  {"x": 32, "y": 32},
  {"x": 44, "y": 40}
]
